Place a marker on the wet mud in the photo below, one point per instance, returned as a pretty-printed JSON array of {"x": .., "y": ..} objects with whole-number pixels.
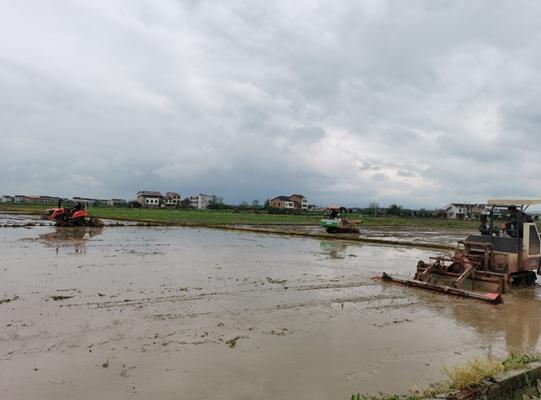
[
  {"x": 186, "y": 313},
  {"x": 393, "y": 235}
]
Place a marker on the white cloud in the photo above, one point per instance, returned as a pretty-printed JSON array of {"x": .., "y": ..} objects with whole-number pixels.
[{"x": 418, "y": 103}]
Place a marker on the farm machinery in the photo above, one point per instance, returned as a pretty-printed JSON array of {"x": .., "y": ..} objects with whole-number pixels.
[
  {"x": 76, "y": 216},
  {"x": 335, "y": 221},
  {"x": 505, "y": 253}
]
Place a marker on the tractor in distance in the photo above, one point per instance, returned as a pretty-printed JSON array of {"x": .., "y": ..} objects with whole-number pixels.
[
  {"x": 335, "y": 221},
  {"x": 76, "y": 216}
]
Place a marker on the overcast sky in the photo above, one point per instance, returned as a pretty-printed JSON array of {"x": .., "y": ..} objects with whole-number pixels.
[{"x": 415, "y": 102}]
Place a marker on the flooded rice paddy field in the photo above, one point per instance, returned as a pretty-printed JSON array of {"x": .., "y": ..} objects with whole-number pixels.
[
  {"x": 10, "y": 220},
  {"x": 390, "y": 234},
  {"x": 183, "y": 313}
]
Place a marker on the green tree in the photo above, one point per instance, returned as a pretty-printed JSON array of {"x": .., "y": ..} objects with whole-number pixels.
[
  {"x": 395, "y": 209},
  {"x": 374, "y": 207}
]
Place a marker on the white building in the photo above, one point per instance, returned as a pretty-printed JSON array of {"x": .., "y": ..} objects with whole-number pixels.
[
  {"x": 33, "y": 199},
  {"x": 7, "y": 199},
  {"x": 463, "y": 210},
  {"x": 200, "y": 201},
  {"x": 289, "y": 204},
  {"x": 295, "y": 201},
  {"x": 20, "y": 198},
  {"x": 149, "y": 199}
]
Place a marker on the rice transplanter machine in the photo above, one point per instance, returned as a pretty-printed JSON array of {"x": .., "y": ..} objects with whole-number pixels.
[{"x": 506, "y": 252}]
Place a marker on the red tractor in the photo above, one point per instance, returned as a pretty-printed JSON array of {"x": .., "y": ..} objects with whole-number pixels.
[{"x": 76, "y": 216}]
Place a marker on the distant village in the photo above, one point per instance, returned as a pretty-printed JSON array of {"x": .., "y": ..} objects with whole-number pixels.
[
  {"x": 292, "y": 203},
  {"x": 144, "y": 199},
  {"x": 155, "y": 199}
]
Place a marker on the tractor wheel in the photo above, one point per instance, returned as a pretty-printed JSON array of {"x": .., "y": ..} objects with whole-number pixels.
[{"x": 331, "y": 230}]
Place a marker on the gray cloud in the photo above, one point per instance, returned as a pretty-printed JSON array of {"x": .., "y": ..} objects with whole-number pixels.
[{"x": 418, "y": 103}]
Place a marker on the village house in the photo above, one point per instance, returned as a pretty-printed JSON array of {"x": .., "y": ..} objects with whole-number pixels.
[
  {"x": 53, "y": 200},
  {"x": 172, "y": 199},
  {"x": 149, "y": 199},
  {"x": 200, "y": 201},
  {"x": 295, "y": 201},
  {"x": 19, "y": 198},
  {"x": 300, "y": 201},
  {"x": 49, "y": 200},
  {"x": 462, "y": 210},
  {"x": 282, "y": 202}
]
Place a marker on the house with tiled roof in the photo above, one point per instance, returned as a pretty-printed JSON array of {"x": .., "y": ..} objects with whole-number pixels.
[
  {"x": 172, "y": 199},
  {"x": 149, "y": 199},
  {"x": 295, "y": 201},
  {"x": 462, "y": 210}
]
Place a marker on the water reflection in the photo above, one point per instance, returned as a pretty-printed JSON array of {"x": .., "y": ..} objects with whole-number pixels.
[
  {"x": 335, "y": 250},
  {"x": 70, "y": 237},
  {"x": 518, "y": 319}
]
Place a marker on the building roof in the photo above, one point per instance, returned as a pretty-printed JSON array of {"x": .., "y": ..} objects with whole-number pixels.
[
  {"x": 173, "y": 194},
  {"x": 283, "y": 198},
  {"x": 149, "y": 193}
]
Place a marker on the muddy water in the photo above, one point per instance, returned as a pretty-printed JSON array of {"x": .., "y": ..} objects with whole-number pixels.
[
  {"x": 20, "y": 220},
  {"x": 391, "y": 234},
  {"x": 180, "y": 313},
  {"x": 9, "y": 220}
]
